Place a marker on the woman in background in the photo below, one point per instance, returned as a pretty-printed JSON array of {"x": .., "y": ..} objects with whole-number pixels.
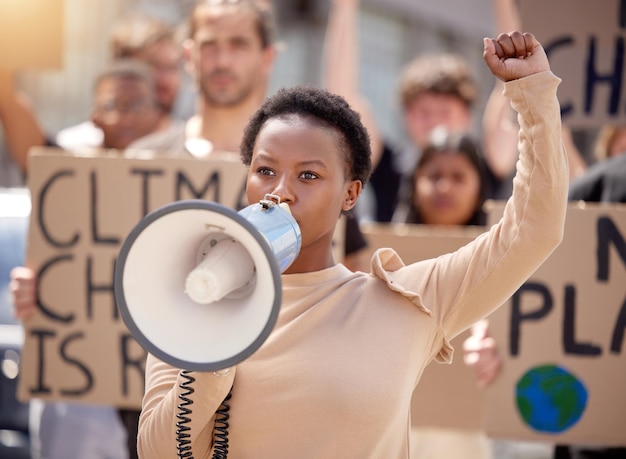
[{"x": 448, "y": 185}]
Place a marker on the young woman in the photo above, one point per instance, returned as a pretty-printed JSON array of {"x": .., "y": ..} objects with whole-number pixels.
[
  {"x": 448, "y": 184},
  {"x": 336, "y": 375}
]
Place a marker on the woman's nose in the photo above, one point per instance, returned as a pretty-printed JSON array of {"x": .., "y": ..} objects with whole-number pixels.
[
  {"x": 443, "y": 185},
  {"x": 284, "y": 190}
]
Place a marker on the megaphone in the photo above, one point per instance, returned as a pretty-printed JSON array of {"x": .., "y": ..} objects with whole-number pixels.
[{"x": 198, "y": 285}]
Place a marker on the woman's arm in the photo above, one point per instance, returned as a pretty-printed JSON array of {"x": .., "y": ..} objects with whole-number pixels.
[{"x": 462, "y": 287}]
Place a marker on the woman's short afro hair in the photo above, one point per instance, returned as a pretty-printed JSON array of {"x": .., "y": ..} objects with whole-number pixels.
[{"x": 328, "y": 110}]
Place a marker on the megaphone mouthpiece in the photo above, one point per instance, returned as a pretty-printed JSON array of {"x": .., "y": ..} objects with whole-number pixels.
[{"x": 226, "y": 267}]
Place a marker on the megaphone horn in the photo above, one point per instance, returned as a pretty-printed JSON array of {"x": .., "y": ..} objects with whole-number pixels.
[{"x": 198, "y": 284}]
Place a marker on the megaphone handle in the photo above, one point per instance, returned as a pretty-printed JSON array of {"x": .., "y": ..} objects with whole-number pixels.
[{"x": 221, "y": 421}]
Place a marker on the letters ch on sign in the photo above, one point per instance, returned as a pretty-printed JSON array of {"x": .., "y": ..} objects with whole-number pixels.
[{"x": 610, "y": 75}]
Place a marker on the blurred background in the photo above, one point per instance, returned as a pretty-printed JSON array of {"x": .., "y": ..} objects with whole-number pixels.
[{"x": 391, "y": 33}]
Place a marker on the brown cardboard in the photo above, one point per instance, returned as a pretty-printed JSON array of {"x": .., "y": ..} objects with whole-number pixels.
[
  {"x": 447, "y": 395},
  {"x": 31, "y": 34},
  {"x": 579, "y": 299},
  {"x": 583, "y": 38}
]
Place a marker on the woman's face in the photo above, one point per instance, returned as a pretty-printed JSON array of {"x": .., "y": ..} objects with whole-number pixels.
[
  {"x": 303, "y": 163},
  {"x": 447, "y": 189}
]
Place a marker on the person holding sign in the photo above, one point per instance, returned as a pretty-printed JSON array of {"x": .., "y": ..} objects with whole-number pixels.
[{"x": 336, "y": 376}]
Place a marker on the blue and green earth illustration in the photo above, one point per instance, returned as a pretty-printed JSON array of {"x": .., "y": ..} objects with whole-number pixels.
[{"x": 550, "y": 399}]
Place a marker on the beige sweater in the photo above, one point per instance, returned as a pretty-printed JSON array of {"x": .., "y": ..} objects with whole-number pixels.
[{"x": 335, "y": 378}]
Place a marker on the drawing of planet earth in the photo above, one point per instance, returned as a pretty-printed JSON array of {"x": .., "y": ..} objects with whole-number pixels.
[{"x": 550, "y": 399}]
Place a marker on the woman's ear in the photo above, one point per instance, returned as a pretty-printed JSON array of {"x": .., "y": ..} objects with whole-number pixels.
[{"x": 353, "y": 190}]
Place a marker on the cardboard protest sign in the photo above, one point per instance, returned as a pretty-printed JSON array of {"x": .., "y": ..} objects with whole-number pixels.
[
  {"x": 77, "y": 347},
  {"x": 562, "y": 338},
  {"x": 31, "y": 34},
  {"x": 585, "y": 42},
  {"x": 447, "y": 395}
]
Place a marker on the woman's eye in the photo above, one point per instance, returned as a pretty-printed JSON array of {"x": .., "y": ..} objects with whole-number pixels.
[
  {"x": 459, "y": 178},
  {"x": 264, "y": 171},
  {"x": 308, "y": 175}
]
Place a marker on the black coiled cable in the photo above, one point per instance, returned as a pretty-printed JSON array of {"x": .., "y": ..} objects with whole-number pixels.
[
  {"x": 221, "y": 429},
  {"x": 182, "y": 429}
]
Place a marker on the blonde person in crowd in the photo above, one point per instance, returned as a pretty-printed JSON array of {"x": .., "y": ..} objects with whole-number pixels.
[
  {"x": 336, "y": 375},
  {"x": 605, "y": 179}
]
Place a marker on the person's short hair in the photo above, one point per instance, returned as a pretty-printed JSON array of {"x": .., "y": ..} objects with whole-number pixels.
[
  {"x": 132, "y": 34},
  {"x": 442, "y": 73},
  {"x": 327, "y": 109},
  {"x": 262, "y": 9},
  {"x": 126, "y": 68}
]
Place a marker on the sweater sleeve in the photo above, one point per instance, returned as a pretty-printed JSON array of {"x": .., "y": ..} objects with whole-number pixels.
[
  {"x": 159, "y": 421},
  {"x": 460, "y": 288}
]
